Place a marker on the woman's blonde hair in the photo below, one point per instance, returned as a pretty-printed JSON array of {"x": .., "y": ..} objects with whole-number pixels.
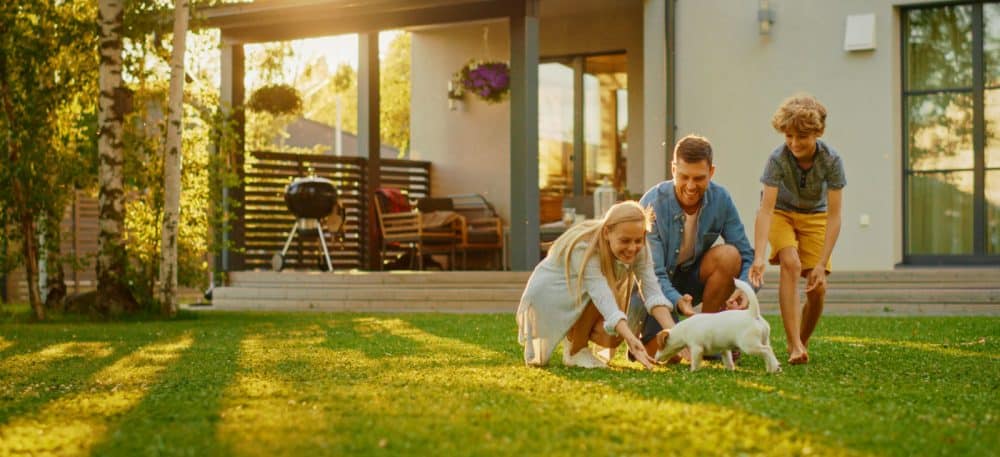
[{"x": 592, "y": 231}]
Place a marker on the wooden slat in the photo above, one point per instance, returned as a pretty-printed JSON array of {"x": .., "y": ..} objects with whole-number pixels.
[{"x": 268, "y": 220}]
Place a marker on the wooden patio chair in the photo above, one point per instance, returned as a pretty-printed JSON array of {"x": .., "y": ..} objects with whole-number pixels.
[
  {"x": 483, "y": 228},
  {"x": 404, "y": 230}
]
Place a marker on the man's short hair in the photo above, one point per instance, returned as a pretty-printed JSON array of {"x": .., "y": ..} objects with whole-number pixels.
[{"x": 693, "y": 149}]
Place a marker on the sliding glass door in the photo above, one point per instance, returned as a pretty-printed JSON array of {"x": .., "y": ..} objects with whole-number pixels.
[{"x": 583, "y": 123}]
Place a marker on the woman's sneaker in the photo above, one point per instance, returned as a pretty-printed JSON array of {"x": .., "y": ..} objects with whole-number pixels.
[{"x": 585, "y": 358}]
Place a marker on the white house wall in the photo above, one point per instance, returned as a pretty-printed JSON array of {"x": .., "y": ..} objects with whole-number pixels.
[
  {"x": 730, "y": 80},
  {"x": 470, "y": 147}
]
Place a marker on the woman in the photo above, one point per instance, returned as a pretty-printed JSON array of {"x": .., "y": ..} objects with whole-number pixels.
[{"x": 581, "y": 291}]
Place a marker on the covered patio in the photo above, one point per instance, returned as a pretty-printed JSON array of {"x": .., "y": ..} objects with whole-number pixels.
[{"x": 265, "y": 21}]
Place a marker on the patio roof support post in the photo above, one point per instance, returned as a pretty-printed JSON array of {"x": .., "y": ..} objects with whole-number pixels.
[
  {"x": 657, "y": 120},
  {"x": 524, "y": 202},
  {"x": 579, "y": 158},
  {"x": 232, "y": 94},
  {"x": 369, "y": 140}
]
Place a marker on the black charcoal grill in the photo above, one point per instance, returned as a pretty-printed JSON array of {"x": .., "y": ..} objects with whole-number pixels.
[{"x": 311, "y": 199}]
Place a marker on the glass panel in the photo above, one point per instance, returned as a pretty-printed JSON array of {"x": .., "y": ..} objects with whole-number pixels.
[
  {"x": 940, "y": 131},
  {"x": 939, "y": 48},
  {"x": 992, "y": 114},
  {"x": 939, "y": 216},
  {"x": 993, "y": 212},
  {"x": 555, "y": 128},
  {"x": 991, "y": 43},
  {"x": 604, "y": 80}
]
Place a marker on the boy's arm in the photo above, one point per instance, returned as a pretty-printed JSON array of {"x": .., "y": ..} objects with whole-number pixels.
[
  {"x": 834, "y": 199},
  {"x": 761, "y": 227}
]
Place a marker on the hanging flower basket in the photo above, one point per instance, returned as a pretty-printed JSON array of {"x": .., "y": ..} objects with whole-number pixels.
[
  {"x": 276, "y": 99},
  {"x": 489, "y": 81}
]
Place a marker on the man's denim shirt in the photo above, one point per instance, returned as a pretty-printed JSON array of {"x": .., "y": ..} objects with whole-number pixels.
[{"x": 718, "y": 217}]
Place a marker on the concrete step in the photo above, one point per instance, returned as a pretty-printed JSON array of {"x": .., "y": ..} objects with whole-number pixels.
[{"x": 908, "y": 291}]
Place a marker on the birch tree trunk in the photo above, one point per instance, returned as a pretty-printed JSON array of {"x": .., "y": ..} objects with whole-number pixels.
[
  {"x": 172, "y": 164},
  {"x": 113, "y": 295}
]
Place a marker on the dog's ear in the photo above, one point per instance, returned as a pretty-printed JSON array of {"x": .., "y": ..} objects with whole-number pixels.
[{"x": 661, "y": 338}]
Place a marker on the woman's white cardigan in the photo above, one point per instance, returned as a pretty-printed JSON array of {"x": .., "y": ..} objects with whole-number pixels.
[{"x": 549, "y": 306}]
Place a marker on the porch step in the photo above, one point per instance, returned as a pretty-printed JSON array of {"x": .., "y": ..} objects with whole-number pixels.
[{"x": 904, "y": 291}]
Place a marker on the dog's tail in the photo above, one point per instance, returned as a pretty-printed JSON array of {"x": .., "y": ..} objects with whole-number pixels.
[{"x": 751, "y": 296}]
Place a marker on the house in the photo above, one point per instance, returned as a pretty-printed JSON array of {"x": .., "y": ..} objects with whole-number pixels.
[{"x": 600, "y": 90}]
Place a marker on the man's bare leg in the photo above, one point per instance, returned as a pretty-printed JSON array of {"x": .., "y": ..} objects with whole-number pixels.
[{"x": 718, "y": 268}]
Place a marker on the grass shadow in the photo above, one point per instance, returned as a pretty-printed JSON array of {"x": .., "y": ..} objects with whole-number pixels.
[
  {"x": 36, "y": 382},
  {"x": 179, "y": 413}
]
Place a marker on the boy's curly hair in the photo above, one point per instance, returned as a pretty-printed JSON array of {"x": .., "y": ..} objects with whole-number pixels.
[{"x": 800, "y": 113}]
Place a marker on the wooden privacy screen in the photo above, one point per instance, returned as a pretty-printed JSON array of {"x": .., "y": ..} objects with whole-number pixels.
[
  {"x": 268, "y": 220},
  {"x": 79, "y": 240}
]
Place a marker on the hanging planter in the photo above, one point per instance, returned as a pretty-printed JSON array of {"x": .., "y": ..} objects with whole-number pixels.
[
  {"x": 489, "y": 81},
  {"x": 276, "y": 99}
]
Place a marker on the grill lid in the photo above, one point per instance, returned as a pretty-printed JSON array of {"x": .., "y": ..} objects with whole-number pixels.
[{"x": 311, "y": 197}]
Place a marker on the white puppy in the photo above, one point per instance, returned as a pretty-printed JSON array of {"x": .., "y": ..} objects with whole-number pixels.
[{"x": 723, "y": 331}]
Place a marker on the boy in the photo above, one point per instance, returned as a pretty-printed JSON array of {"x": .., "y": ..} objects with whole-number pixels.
[{"x": 800, "y": 216}]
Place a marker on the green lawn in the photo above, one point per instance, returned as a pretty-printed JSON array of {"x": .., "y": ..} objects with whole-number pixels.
[{"x": 430, "y": 384}]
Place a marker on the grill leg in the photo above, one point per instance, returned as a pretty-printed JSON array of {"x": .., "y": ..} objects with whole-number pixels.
[
  {"x": 322, "y": 242},
  {"x": 291, "y": 235}
]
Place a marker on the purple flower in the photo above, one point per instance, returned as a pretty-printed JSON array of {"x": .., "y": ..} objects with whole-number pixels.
[{"x": 489, "y": 80}]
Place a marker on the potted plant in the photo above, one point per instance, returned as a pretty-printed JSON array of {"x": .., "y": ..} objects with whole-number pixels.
[{"x": 489, "y": 81}]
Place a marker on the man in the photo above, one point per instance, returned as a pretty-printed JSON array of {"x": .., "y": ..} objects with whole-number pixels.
[{"x": 692, "y": 213}]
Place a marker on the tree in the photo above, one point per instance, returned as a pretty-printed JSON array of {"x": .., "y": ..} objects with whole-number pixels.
[
  {"x": 394, "y": 87},
  {"x": 46, "y": 51},
  {"x": 113, "y": 294},
  {"x": 172, "y": 164},
  {"x": 394, "y": 78}
]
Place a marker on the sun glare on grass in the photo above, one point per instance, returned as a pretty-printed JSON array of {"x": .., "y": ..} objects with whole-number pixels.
[
  {"x": 5, "y": 343},
  {"x": 929, "y": 347},
  {"x": 295, "y": 392},
  {"x": 73, "y": 424},
  {"x": 18, "y": 367}
]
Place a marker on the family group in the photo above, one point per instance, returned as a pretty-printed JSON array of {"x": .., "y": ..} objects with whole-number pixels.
[{"x": 636, "y": 272}]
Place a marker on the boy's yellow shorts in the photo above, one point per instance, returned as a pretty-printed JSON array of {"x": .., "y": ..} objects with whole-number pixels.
[{"x": 803, "y": 231}]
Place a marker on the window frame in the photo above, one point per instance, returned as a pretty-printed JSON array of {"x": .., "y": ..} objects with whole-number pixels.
[{"x": 979, "y": 255}]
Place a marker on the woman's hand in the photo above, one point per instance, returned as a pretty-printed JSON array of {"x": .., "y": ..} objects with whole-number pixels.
[
  {"x": 639, "y": 352},
  {"x": 756, "y": 275}
]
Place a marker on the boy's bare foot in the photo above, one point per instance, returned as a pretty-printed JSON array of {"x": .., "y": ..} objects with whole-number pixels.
[{"x": 800, "y": 358}]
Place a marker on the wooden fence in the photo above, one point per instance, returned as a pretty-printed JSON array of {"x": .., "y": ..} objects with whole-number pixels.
[
  {"x": 268, "y": 221},
  {"x": 79, "y": 239}
]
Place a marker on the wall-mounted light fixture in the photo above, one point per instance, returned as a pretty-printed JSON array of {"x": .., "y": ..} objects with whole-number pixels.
[
  {"x": 455, "y": 95},
  {"x": 765, "y": 17}
]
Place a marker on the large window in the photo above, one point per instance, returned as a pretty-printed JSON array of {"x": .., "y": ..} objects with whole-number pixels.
[
  {"x": 583, "y": 120},
  {"x": 951, "y": 104}
]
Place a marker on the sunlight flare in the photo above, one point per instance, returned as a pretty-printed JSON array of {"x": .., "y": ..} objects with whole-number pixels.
[
  {"x": 19, "y": 367},
  {"x": 72, "y": 425},
  {"x": 277, "y": 396},
  {"x": 943, "y": 349}
]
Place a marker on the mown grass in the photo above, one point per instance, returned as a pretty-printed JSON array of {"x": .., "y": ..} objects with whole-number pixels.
[{"x": 431, "y": 384}]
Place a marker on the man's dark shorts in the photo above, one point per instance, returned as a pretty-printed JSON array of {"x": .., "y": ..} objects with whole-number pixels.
[{"x": 686, "y": 281}]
